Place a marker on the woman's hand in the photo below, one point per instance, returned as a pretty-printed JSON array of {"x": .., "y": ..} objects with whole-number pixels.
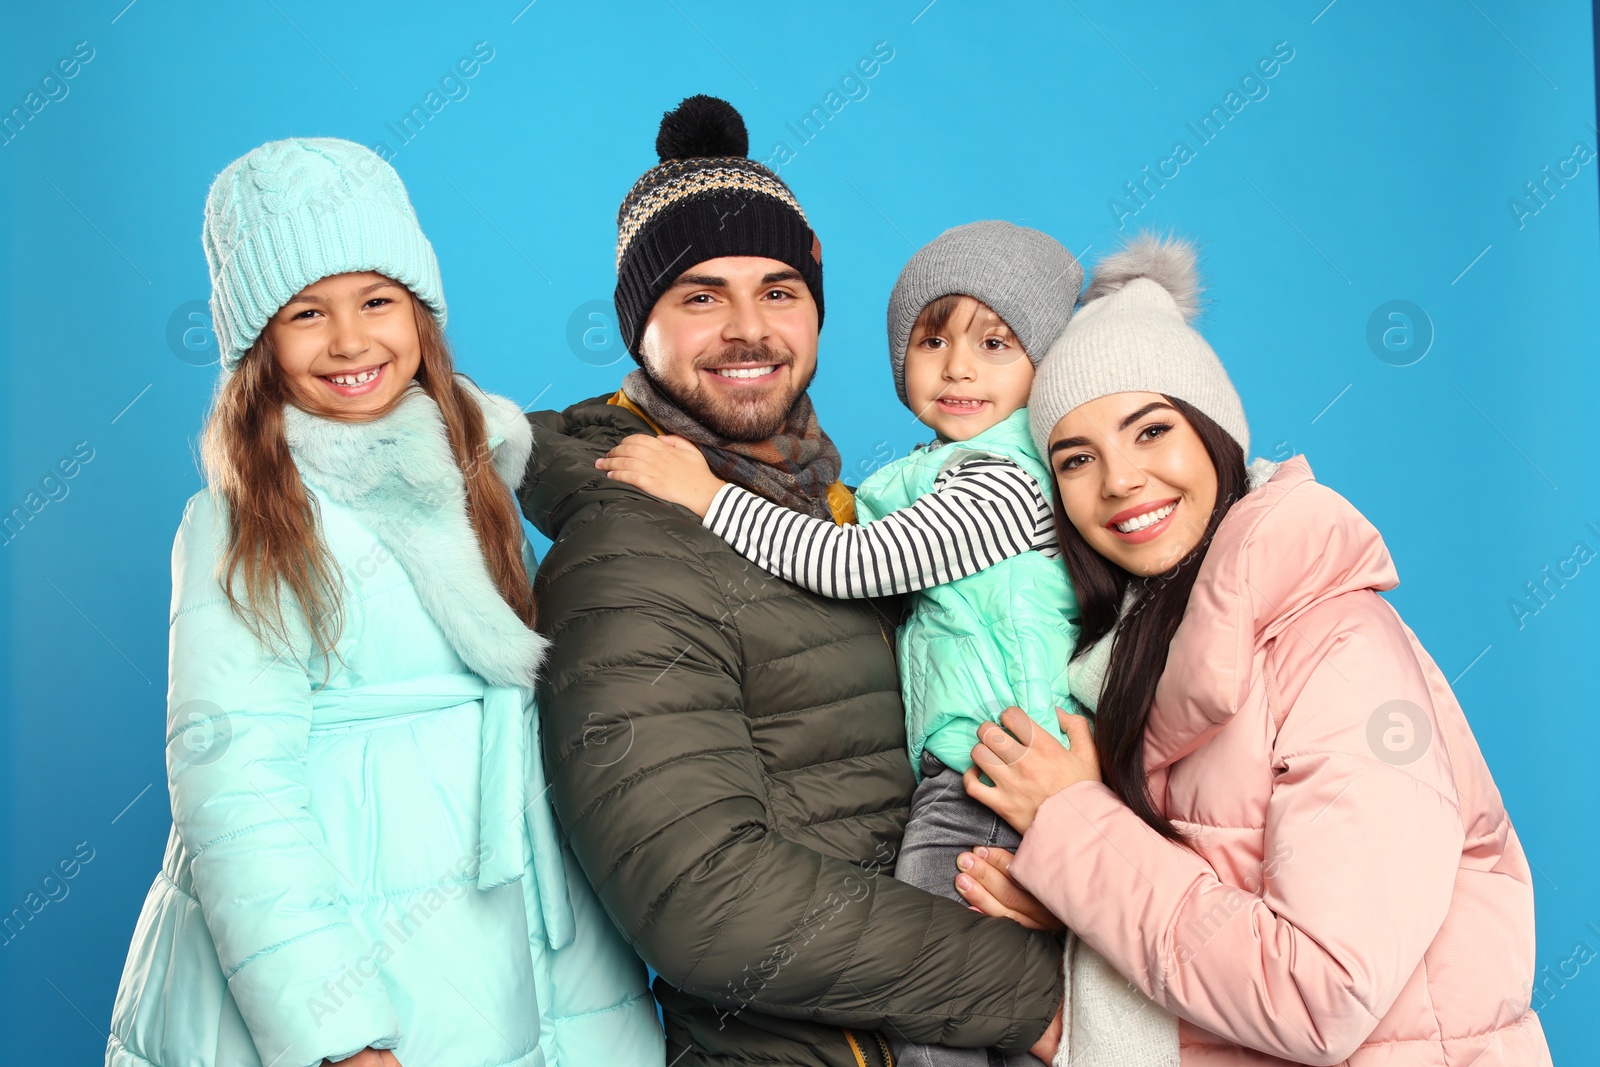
[
  {"x": 367, "y": 1057},
  {"x": 985, "y": 883},
  {"x": 667, "y": 467},
  {"x": 1027, "y": 765}
]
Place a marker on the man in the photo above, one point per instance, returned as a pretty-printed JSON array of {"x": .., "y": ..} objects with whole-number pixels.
[{"x": 726, "y": 750}]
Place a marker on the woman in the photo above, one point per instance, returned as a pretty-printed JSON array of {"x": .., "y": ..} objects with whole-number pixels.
[
  {"x": 363, "y": 866},
  {"x": 1282, "y": 829}
]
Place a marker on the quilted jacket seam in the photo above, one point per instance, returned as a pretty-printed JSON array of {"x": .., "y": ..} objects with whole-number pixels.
[
  {"x": 340, "y": 924},
  {"x": 1452, "y": 802},
  {"x": 739, "y": 899},
  {"x": 828, "y": 763},
  {"x": 638, "y": 775},
  {"x": 805, "y": 651}
]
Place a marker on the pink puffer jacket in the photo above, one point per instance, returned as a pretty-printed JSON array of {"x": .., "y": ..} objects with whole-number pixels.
[{"x": 1356, "y": 893}]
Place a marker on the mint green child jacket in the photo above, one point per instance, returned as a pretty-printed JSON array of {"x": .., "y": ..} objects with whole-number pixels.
[
  {"x": 973, "y": 647},
  {"x": 370, "y": 859}
]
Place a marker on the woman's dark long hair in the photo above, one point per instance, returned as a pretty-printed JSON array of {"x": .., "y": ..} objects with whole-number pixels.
[{"x": 1139, "y": 650}]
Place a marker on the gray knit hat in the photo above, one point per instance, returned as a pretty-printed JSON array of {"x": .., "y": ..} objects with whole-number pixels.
[
  {"x": 1132, "y": 335},
  {"x": 1025, "y": 276}
]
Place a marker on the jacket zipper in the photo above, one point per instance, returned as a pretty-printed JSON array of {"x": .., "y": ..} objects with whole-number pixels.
[{"x": 859, "y": 1049}]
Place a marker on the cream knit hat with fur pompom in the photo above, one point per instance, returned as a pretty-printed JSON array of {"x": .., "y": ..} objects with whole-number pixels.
[{"x": 1132, "y": 334}]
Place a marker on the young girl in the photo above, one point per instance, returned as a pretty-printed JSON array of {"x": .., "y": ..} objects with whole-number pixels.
[
  {"x": 1282, "y": 829},
  {"x": 963, "y": 523},
  {"x": 363, "y": 867}
]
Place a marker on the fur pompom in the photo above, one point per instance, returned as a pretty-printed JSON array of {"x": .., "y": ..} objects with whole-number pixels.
[
  {"x": 702, "y": 126},
  {"x": 1168, "y": 261}
]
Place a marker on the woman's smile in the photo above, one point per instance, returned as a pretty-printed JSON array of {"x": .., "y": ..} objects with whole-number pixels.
[
  {"x": 1143, "y": 522},
  {"x": 1134, "y": 446}
]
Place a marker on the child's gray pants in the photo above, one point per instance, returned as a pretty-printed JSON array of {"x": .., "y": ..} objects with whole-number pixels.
[{"x": 944, "y": 823}]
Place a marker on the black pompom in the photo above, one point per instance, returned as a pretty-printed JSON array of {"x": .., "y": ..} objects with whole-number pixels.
[{"x": 702, "y": 126}]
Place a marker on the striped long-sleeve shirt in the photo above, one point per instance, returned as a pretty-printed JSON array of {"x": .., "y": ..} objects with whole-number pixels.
[{"x": 980, "y": 512}]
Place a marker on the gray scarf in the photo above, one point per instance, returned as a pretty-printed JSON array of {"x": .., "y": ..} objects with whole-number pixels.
[{"x": 794, "y": 467}]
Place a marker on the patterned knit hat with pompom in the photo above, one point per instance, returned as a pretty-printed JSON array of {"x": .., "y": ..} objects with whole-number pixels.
[
  {"x": 291, "y": 213},
  {"x": 704, "y": 200},
  {"x": 1132, "y": 334}
]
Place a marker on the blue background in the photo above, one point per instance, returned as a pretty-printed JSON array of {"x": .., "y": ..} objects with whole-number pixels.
[{"x": 1380, "y": 165}]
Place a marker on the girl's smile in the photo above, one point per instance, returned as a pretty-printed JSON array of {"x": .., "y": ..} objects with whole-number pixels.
[
  {"x": 357, "y": 382},
  {"x": 348, "y": 344}
]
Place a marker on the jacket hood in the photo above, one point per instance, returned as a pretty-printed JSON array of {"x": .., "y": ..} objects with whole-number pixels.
[
  {"x": 1285, "y": 547},
  {"x": 561, "y": 475}
]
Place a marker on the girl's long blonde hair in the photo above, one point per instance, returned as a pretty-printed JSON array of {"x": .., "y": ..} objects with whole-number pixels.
[{"x": 274, "y": 539}]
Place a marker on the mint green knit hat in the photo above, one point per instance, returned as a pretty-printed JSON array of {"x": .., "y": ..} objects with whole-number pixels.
[{"x": 293, "y": 212}]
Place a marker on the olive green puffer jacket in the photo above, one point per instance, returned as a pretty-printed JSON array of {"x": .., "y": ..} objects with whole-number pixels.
[{"x": 727, "y": 753}]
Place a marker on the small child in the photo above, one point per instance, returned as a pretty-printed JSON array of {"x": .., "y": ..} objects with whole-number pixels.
[{"x": 966, "y": 523}]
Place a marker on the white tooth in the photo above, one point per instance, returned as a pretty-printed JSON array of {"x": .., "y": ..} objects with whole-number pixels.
[{"x": 1149, "y": 518}]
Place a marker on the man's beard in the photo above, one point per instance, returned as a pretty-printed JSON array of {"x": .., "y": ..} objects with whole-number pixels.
[{"x": 756, "y": 418}]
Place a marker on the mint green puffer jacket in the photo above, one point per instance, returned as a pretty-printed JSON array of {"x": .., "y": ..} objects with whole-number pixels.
[
  {"x": 371, "y": 861},
  {"x": 973, "y": 647}
]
